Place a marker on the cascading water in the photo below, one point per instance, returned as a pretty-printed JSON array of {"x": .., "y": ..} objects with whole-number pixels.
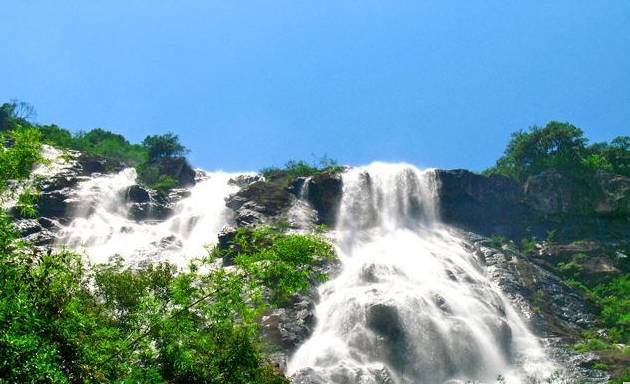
[
  {"x": 103, "y": 229},
  {"x": 411, "y": 304}
]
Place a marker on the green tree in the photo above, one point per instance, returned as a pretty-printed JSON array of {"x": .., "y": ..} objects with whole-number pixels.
[
  {"x": 614, "y": 156},
  {"x": 163, "y": 146},
  {"x": 558, "y": 145}
]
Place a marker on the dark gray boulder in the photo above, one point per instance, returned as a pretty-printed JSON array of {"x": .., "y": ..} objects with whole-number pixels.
[
  {"x": 137, "y": 194},
  {"x": 324, "y": 195}
]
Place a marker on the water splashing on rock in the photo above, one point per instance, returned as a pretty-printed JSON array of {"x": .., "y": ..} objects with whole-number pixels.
[
  {"x": 104, "y": 226},
  {"x": 411, "y": 304}
]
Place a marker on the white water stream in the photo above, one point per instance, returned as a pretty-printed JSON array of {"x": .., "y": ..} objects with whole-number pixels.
[
  {"x": 411, "y": 304},
  {"x": 104, "y": 229}
]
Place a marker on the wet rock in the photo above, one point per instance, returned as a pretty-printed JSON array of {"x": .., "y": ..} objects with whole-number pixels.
[
  {"x": 297, "y": 186},
  {"x": 290, "y": 326},
  {"x": 54, "y": 203},
  {"x": 90, "y": 164},
  {"x": 553, "y": 306},
  {"x": 150, "y": 211},
  {"x": 242, "y": 181},
  {"x": 259, "y": 202},
  {"x": 137, "y": 194},
  {"x": 385, "y": 321},
  {"x": 324, "y": 194},
  {"x": 308, "y": 376}
]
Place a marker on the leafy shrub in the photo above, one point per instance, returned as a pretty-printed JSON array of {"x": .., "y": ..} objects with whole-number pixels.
[
  {"x": 61, "y": 321},
  {"x": 285, "y": 263},
  {"x": 161, "y": 146},
  {"x": 20, "y": 153},
  {"x": 299, "y": 168},
  {"x": 563, "y": 147}
]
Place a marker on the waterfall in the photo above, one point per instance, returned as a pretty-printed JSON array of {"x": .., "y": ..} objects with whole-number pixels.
[
  {"x": 103, "y": 229},
  {"x": 411, "y": 303}
]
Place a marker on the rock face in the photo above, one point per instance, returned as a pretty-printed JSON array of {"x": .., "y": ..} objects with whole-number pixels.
[
  {"x": 497, "y": 205},
  {"x": 557, "y": 312},
  {"x": 324, "y": 194},
  {"x": 137, "y": 194},
  {"x": 482, "y": 204},
  {"x": 614, "y": 194},
  {"x": 259, "y": 203},
  {"x": 552, "y": 192}
]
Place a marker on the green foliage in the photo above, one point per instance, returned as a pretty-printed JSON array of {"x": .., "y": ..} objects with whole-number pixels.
[
  {"x": 321, "y": 228},
  {"x": 63, "y": 321},
  {"x": 27, "y": 202},
  {"x": 557, "y": 145},
  {"x": 624, "y": 378},
  {"x": 110, "y": 145},
  {"x": 538, "y": 301},
  {"x": 596, "y": 161},
  {"x": 497, "y": 241},
  {"x": 96, "y": 142},
  {"x": 528, "y": 245},
  {"x": 614, "y": 156},
  {"x": 162, "y": 146},
  {"x": 614, "y": 300},
  {"x": 552, "y": 236},
  {"x": 299, "y": 168},
  {"x": 15, "y": 113},
  {"x": 164, "y": 183},
  {"x": 561, "y": 146},
  {"x": 20, "y": 153},
  {"x": 149, "y": 174},
  {"x": 57, "y": 136},
  {"x": 285, "y": 263}
]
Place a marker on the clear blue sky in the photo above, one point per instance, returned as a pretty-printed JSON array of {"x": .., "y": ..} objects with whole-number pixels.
[{"x": 255, "y": 83}]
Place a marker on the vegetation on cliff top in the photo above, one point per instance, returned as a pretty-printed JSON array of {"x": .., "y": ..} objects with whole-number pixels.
[
  {"x": 563, "y": 147},
  {"x": 147, "y": 157},
  {"x": 300, "y": 168}
]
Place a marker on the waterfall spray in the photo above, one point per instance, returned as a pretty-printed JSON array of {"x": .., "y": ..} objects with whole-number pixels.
[{"x": 411, "y": 304}]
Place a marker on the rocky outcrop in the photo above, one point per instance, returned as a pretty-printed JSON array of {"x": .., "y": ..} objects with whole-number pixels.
[
  {"x": 556, "y": 308},
  {"x": 614, "y": 196},
  {"x": 552, "y": 192},
  {"x": 324, "y": 194},
  {"x": 557, "y": 312},
  {"x": 151, "y": 205},
  {"x": 137, "y": 194},
  {"x": 551, "y": 200},
  {"x": 488, "y": 205},
  {"x": 259, "y": 203}
]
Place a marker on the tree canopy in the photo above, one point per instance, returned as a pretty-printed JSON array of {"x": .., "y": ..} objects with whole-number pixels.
[
  {"x": 162, "y": 146},
  {"x": 561, "y": 146}
]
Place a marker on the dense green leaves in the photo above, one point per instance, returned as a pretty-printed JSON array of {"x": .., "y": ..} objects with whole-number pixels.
[
  {"x": 62, "y": 321},
  {"x": 284, "y": 263},
  {"x": 161, "y": 146},
  {"x": 294, "y": 169},
  {"x": 20, "y": 152},
  {"x": 563, "y": 147}
]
